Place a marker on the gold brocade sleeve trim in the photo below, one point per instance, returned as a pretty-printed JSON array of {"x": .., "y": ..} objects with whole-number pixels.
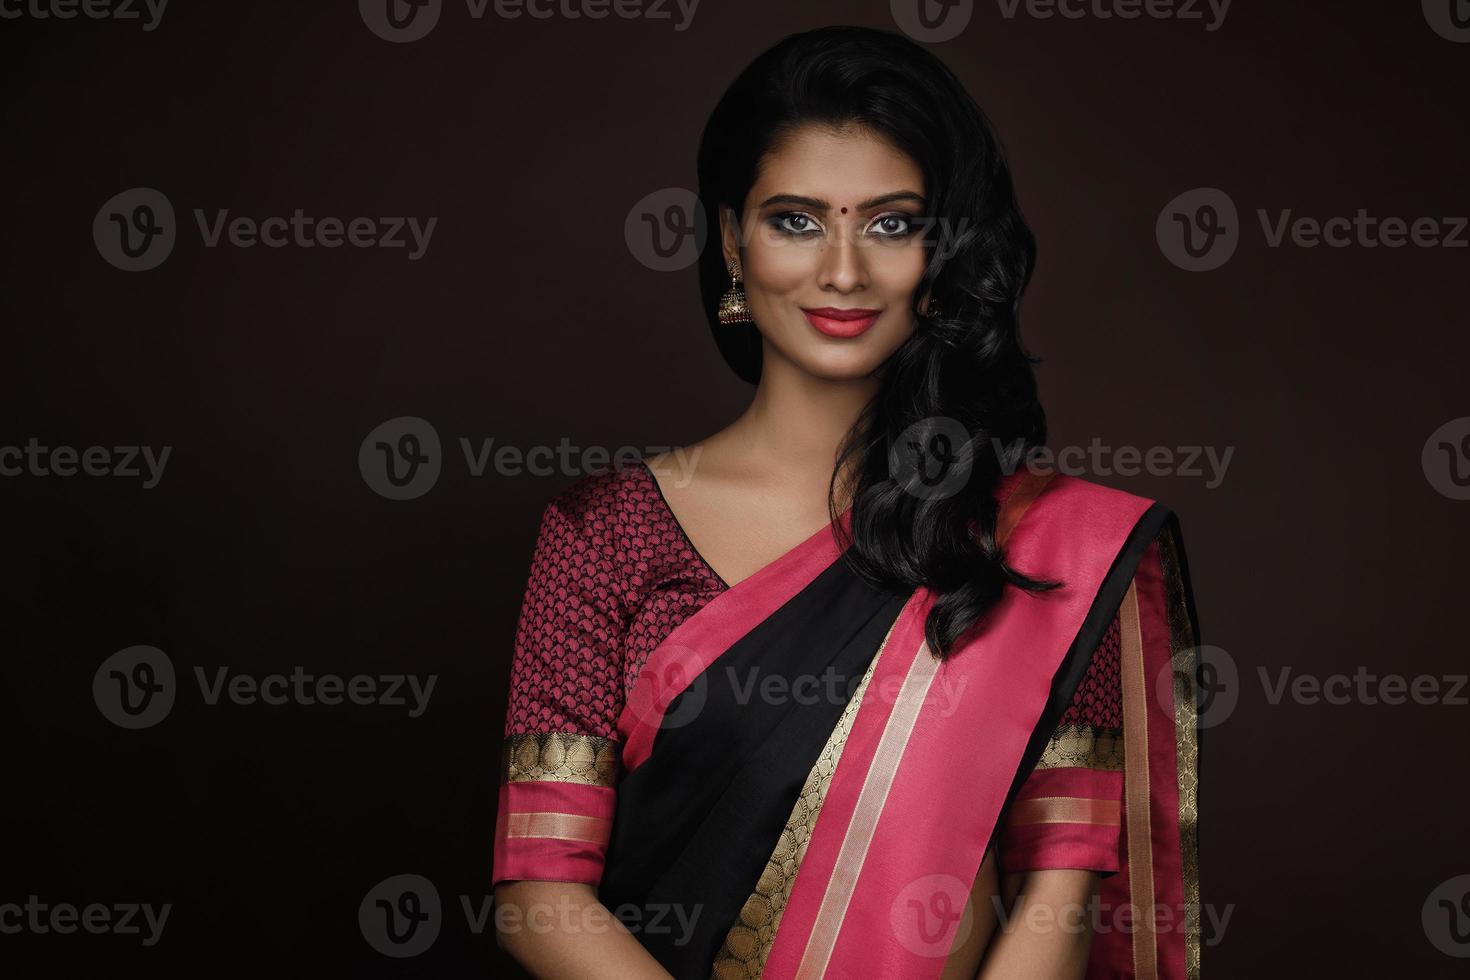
[
  {"x": 1066, "y": 809},
  {"x": 1084, "y": 747},
  {"x": 561, "y": 757}
]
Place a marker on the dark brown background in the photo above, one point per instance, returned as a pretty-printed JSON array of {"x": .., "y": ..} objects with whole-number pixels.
[{"x": 1325, "y": 549}]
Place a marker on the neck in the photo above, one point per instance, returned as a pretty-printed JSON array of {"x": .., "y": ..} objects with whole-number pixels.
[{"x": 796, "y": 422}]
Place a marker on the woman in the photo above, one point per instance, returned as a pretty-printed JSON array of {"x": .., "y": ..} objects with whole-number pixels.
[{"x": 864, "y": 696}]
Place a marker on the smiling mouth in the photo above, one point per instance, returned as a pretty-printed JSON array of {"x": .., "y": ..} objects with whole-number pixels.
[{"x": 838, "y": 322}]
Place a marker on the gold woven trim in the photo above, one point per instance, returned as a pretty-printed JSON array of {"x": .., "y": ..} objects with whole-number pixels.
[
  {"x": 748, "y": 944},
  {"x": 1186, "y": 742},
  {"x": 560, "y": 757},
  {"x": 1084, "y": 747}
]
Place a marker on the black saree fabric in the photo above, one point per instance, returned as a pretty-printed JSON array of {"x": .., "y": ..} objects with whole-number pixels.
[{"x": 696, "y": 822}]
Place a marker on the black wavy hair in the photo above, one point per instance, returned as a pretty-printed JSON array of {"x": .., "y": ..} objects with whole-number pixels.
[{"x": 964, "y": 363}]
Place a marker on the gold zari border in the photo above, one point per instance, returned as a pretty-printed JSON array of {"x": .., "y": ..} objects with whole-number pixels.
[
  {"x": 1084, "y": 747},
  {"x": 748, "y": 944},
  {"x": 560, "y": 757},
  {"x": 1186, "y": 742}
]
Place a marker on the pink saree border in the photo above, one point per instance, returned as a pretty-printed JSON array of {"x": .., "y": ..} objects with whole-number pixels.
[
  {"x": 702, "y": 638},
  {"x": 843, "y": 918},
  {"x": 1153, "y": 944}
]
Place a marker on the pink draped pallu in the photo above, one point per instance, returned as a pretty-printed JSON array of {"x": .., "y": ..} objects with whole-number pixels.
[{"x": 927, "y": 775}]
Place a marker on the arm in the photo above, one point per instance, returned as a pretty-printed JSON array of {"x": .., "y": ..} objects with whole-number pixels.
[
  {"x": 1045, "y": 931},
  {"x": 558, "y": 930},
  {"x": 1063, "y": 834},
  {"x": 560, "y": 765}
]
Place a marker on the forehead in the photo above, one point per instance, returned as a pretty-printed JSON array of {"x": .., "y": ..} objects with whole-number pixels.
[{"x": 840, "y": 165}]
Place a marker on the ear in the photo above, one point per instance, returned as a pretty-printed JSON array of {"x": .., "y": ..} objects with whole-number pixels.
[{"x": 730, "y": 236}]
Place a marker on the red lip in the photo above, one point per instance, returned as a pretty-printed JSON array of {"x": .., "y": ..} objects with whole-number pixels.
[{"x": 839, "y": 322}]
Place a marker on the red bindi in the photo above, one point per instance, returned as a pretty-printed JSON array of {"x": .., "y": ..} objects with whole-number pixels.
[{"x": 844, "y": 210}]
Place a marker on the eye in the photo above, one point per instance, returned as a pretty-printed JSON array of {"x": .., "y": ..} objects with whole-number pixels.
[
  {"x": 794, "y": 223},
  {"x": 892, "y": 225}
]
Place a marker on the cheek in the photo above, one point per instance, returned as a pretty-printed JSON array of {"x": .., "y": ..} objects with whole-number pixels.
[
  {"x": 778, "y": 265},
  {"x": 896, "y": 270}
]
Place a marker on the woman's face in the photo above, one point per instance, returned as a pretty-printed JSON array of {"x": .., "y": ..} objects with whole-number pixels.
[{"x": 832, "y": 251}]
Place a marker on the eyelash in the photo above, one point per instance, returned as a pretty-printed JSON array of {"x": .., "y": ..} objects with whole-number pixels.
[{"x": 778, "y": 222}]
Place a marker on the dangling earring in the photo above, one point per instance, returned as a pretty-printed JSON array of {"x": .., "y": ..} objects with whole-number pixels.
[{"x": 733, "y": 307}]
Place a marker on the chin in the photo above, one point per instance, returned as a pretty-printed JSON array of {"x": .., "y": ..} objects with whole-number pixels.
[{"x": 846, "y": 362}]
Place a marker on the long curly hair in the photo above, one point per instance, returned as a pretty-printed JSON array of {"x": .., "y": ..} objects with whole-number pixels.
[{"x": 958, "y": 403}]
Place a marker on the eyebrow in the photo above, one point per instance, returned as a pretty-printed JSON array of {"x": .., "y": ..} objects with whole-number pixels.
[{"x": 821, "y": 205}]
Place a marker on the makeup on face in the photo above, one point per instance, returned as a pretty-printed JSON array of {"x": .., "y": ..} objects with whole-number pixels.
[
  {"x": 833, "y": 232},
  {"x": 842, "y": 322},
  {"x": 799, "y": 217}
]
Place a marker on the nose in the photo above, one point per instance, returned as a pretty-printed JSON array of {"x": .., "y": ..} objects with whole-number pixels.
[{"x": 842, "y": 265}]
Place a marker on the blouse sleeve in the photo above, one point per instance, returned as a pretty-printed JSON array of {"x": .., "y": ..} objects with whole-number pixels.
[
  {"x": 560, "y": 757},
  {"x": 1068, "y": 812}
]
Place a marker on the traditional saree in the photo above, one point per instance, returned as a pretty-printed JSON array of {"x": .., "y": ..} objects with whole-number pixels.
[{"x": 777, "y": 778}]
